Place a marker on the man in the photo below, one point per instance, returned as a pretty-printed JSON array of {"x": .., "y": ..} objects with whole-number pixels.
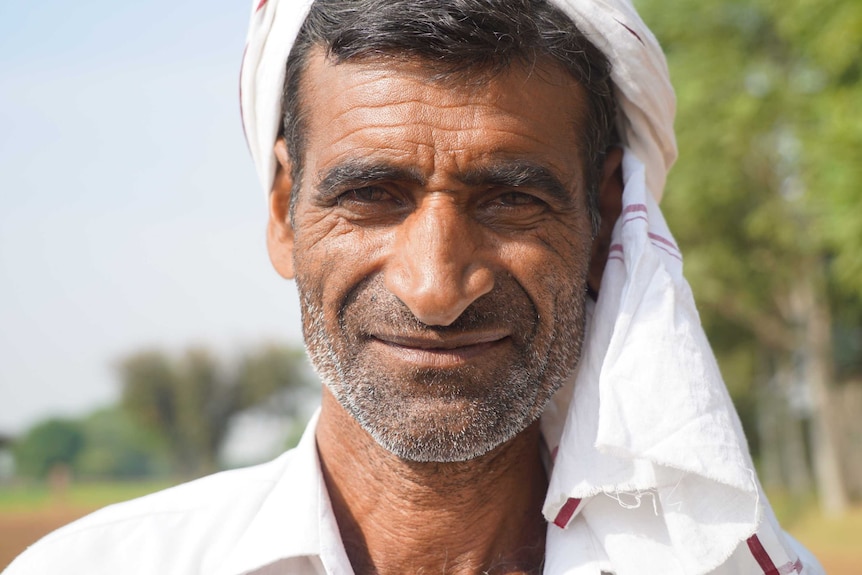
[{"x": 515, "y": 379}]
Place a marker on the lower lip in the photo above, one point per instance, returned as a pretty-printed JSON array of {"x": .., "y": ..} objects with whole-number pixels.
[{"x": 439, "y": 358}]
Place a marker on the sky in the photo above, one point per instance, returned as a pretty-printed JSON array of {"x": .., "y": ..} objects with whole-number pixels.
[{"x": 130, "y": 214}]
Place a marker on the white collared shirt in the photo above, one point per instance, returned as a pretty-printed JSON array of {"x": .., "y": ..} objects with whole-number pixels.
[{"x": 270, "y": 519}]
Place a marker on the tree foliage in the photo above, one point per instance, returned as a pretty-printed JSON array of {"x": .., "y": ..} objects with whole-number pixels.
[
  {"x": 190, "y": 399},
  {"x": 770, "y": 133},
  {"x": 50, "y": 443},
  {"x": 118, "y": 447}
]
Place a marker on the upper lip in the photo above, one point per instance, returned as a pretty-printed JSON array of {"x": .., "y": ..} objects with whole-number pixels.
[{"x": 449, "y": 341}]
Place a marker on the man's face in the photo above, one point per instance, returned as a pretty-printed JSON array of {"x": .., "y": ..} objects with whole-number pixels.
[{"x": 441, "y": 249}]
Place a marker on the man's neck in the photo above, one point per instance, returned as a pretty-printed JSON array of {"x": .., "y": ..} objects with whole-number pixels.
[{"x": 396, "y": 516}]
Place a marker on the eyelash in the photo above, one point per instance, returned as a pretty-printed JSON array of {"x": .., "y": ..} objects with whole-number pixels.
[
  {"x": 516, "y": 199},
  {"x": 374, "y": 197},
  {"x": 355, "y": 195}
]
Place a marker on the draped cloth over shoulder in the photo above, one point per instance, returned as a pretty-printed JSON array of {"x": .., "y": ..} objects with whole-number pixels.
[{"x": 651, "y": 472}]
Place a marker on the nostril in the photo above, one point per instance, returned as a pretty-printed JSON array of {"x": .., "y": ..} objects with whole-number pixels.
[
  {"x": 439, "y": 298},
  {"x": 480, "y": 280}
]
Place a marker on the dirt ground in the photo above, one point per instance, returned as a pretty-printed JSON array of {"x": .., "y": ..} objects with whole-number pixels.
[
  {"x": 837, "y": 563},
  {"x": 20, "y": 529}
]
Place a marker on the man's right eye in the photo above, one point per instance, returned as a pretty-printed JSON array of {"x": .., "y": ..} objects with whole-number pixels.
[
  {"x": 366, "y": 195},
  {"x": 371, "y": 204}
]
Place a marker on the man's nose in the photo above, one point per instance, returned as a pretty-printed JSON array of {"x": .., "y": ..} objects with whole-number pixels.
[{"x": 437, "y": 267}]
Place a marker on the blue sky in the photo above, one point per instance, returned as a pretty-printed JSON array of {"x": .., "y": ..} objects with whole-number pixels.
[{"x": 130, "y": 214}]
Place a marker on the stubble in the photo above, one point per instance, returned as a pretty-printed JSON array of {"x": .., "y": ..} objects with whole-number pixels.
[{"x": 452, "y": 414}]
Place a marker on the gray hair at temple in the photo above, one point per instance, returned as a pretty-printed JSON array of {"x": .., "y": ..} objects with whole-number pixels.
[{"x": 461, "y": 38}]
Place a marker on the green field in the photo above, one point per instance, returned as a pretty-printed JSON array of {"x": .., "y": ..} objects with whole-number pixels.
[{"x": 36, "y": 497}]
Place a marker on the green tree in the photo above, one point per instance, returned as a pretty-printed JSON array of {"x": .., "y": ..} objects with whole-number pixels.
[
  {"x": 189, "y": 400},
  {"x": 118, "y": 447},
  {"x": 765, "y": 199},
  {"x": 48, "y": 444}
]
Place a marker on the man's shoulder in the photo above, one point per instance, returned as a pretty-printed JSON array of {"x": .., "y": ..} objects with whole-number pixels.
[{"x": 185, "y": 529}]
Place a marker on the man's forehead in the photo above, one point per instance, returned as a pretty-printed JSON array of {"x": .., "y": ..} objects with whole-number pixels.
[
  {"x": 404, "y": 96},
  {"x": 399, "y": 110}
]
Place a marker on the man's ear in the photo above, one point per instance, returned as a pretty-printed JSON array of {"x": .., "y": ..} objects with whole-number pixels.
[
  {"x": 610, "y": 205},
  {"x": 279, "y": 231}
]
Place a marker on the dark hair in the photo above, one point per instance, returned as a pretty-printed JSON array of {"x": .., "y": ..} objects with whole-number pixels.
[{"x": 455, "y": 37}]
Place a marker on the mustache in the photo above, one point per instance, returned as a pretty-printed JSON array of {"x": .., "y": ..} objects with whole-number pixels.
[{"x": 370, "y": 308}]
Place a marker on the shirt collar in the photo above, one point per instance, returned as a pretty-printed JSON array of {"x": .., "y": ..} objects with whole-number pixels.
[{"x": 288, "y": 522}]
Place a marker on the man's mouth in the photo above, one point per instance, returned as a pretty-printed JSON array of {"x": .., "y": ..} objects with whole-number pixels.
[{"x": 439, "y": 351}]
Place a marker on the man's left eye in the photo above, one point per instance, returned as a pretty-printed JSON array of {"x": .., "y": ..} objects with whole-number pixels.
[{"x": 515, "y": 199}]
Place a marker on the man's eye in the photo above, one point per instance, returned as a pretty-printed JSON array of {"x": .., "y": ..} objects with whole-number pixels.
[
  {"x": 371, "y": 204},
  {"x": 363, "y": 195},
  {"x": 515, "y": 199}
]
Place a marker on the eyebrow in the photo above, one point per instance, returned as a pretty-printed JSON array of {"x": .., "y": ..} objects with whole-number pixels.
[
  {"x": 505, "y": 174},
  {"x": 518, "y": 174}
]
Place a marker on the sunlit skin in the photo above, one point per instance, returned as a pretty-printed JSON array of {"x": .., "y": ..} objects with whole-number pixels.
[{"x": 442, "y": 248}]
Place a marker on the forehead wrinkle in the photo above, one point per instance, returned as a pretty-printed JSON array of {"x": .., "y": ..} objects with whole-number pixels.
[
  {"x": 431, "y": 110},
  {"x": 432, "y": 114},
  {"x": 395, "y": 151},
  {"x": 509, "y": 141}
]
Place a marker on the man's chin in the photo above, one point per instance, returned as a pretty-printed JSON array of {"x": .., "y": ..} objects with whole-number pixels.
[
  {"x": 442, "y": 447},
  {"x": 443, "y": 431}
]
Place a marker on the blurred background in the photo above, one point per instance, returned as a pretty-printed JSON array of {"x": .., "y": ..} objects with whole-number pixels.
[{"x": 144, "y": 339}]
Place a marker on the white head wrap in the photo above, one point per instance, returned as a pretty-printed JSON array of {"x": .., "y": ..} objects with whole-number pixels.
[{"x": 651, "y": 472}]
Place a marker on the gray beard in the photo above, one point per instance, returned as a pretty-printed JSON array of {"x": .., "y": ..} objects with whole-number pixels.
[{"x": 460, "y": 413}]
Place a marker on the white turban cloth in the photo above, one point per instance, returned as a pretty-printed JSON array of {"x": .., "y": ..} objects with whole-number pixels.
[{"x": 651, "y": 471}]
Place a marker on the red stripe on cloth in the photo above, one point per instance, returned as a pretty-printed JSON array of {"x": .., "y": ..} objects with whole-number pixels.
[
  {"x": 790, "y": 567},
  {"x": 616, "y": 248},
  {"x": 667, "y": 251},
  {"x": 761, "y": 556},
  {"x": 633, "y": 33},
  {"x": 259, "y": 6},
  {"x": 633, "y": 218},
  {"x": 663, "y": 240},
  {"x": 634, "y": 208},
  {"x": 566, "y": 512}
]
